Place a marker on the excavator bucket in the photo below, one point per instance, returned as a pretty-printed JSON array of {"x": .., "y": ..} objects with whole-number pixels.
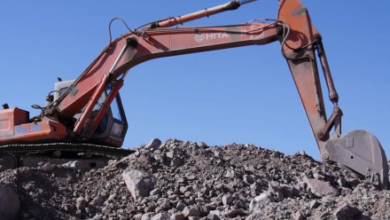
[{"x": 360, "y": 151}]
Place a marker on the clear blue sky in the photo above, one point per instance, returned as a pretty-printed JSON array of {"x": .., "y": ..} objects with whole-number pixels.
[{"x": 242, "y": 95}]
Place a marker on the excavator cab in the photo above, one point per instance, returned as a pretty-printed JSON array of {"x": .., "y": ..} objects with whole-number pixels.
[{"x": 113, "y": 127}]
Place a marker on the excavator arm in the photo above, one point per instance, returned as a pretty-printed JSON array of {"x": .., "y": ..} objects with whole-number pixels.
[{"x": 358, "y": 150}]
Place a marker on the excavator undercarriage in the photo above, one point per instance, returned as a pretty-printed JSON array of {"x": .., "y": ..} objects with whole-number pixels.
[
  {"x": 91, "y": 154},
  {"x": 84, "y": 119}
]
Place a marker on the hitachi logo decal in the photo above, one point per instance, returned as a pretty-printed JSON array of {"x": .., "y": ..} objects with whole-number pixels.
[
  {"x": 210, "y": 36},
  {"x": 200, "y": 37}
]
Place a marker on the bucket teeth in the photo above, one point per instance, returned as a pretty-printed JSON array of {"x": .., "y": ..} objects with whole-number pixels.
[{"x": 361, "y": 152}]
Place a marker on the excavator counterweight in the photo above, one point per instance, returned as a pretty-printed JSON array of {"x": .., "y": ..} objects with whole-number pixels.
[{"x": 85, "y": 117}]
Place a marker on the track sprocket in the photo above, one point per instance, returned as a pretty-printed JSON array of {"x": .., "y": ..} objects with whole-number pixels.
[{"x": 7, "y": 161}]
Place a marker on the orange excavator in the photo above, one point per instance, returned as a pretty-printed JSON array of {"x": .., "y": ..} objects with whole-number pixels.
[{"x": 84, "y": 117}]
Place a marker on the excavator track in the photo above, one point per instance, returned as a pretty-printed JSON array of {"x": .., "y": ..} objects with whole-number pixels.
[
  {"x": 38, "y": 152},
  {"x": 96, "y": 149}
]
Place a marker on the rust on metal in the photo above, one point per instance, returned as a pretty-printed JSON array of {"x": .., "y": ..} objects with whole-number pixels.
[
  {"x": 301, "y": 10},
  {"x": 323, "y": 135}
]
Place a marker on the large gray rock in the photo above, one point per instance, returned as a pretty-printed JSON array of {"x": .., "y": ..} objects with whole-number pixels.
[
  {"x": 80, "y": 203},
  {"x": 345, "y": 212},
  {"x": 191, "y": 211},
  {"x": 276, "y": 190},
  {"x": 155, "y": 144},
  {"x": 321, "y": 188},
  {"x": 259, "y": 202},
  {"x": 148, "y": 216},
  {"x": 139, "y": 182},
  {"x": 178, "y": 216},
  {"x": 9, "y": 204},
  {"x": 161, "y": 216},
  {"x": 85, "y": 165}
]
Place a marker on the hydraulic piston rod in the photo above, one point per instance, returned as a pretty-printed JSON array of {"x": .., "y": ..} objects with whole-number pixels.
[{"x": 232, "y": 5}]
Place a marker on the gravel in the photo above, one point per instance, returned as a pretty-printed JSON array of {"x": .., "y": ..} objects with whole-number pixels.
[{"x": 180, "y": 180}]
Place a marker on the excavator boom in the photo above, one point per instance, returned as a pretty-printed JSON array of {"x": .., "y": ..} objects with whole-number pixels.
[{"x": 358, "y": 150}]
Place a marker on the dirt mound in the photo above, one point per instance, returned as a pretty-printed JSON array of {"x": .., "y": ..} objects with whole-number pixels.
[{"x": 186, "y": 180}]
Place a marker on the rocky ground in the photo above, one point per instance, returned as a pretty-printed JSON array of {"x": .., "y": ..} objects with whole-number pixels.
[{"x": 178, "y": 180}]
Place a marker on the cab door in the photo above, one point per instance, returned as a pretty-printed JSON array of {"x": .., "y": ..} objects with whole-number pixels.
[{"x": 113, "y": 126}]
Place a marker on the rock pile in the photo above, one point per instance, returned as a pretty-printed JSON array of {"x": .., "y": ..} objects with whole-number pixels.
[{"x": 178, "y": 180}]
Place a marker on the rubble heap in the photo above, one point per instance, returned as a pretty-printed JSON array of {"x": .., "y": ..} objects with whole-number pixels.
[{"x": 178, "y": 180}]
